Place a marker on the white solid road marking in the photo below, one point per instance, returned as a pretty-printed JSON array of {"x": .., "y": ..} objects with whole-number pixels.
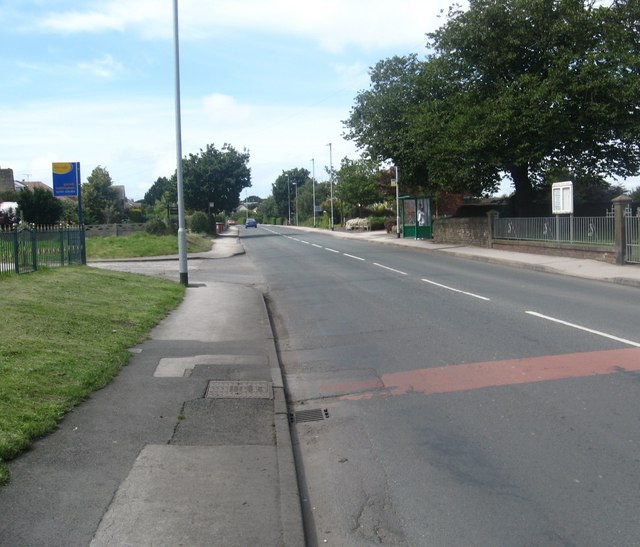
[
  {"x": 457, "y": 290},
  {"x": 579, "y": 327}
]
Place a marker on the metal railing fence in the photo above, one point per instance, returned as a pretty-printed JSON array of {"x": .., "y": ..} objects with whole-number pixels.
[
  {"x": 633, "y": 238},
  {"x": 24, "y": 249},
  {"x": 594, "y": 230}
]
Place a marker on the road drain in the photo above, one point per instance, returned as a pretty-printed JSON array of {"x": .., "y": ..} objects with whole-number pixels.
[
  {"x": 231, "y": 389},
  {"x": 311, "y": 415}
]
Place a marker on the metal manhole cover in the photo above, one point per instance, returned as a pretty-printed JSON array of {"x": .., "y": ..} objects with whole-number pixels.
[
  {"x": 311, "y": 415},
  {"x": 230, "y": 389}
]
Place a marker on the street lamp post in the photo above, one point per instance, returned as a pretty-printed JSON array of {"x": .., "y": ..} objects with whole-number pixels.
[
  {"x": 182, "y": 234},
  {"x": 331, "y": 186},
  {"x": 313, "y": 186},
  {"x": 296, "y": 185},
  {"x": 397, "y": 204},
  {"x": 289, "y": 198}
]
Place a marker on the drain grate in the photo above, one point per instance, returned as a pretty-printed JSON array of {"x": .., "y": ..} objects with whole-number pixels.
[
  {"x": 233, "y": 389},
  {"x": 311, "y": 415}
]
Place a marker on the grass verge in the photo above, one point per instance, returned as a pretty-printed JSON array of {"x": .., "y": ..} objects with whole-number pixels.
[
  {"x": 142, "y": 244},
  {"x": 66, "y": 333}
]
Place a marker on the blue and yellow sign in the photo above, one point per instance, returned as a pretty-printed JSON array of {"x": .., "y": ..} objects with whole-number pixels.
[{"x": 66, "y": 178}]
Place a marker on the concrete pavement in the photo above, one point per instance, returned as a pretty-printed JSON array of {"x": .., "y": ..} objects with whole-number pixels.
[{"x": 190, "y": 444}]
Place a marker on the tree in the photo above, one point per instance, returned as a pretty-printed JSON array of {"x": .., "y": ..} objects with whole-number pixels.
[
  {"x": 357, "y": 183},
  {"x": 161, "y": 187},
  {"x": 381, "y": 120},
  {"x": 284, "y": 188},
  {"x": 39, "y": 206},
  {"x": 517, "y": 87},
  {"x": 101, "y": 201},
  {"x": 217, "y": 176}
]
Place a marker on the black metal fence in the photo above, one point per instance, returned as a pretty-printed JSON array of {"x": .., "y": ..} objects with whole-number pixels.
[{"x": 24, "y": 249}]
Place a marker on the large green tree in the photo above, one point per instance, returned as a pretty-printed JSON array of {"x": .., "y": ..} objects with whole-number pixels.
[
  {"x": 517, "y": 88},
  {"x": 217, "y": 176},
  {"x": 358, "y": 184},
  {"x": 162, "y": 188},
  {"x": 39, "y": 206},
  {"x": 381, "y": 120},
  {"x": 101, "y": 202},
  {"x": 283, "y": 190}
]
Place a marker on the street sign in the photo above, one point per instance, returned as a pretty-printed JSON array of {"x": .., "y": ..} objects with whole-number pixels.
[
  {"x": 66, "y": 179},
  {"x": 562, "y": 198}
]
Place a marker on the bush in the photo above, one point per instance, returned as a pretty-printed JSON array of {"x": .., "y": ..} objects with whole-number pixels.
[
  {"x": 390, "y": 225},
  {"x": 157, "y": 227},
  {"x": 135, "y": 214},
  {"x": 199, "y": 223},
  {"x": 377, "y": 223}
]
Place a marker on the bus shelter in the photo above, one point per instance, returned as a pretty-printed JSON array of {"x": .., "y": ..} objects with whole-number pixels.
[{"x": 416, "y": 217}]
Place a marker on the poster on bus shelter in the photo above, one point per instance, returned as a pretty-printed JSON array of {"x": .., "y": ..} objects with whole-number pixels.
[{"x": 66, "y": 179}]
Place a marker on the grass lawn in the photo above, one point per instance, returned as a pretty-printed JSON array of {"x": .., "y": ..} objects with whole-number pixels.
[
  {"x": 142, "y": 244},
  {"x": 66, "y": 332}
]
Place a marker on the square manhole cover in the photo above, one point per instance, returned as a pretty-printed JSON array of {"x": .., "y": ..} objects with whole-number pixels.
[{"x": 231, "y": 389}]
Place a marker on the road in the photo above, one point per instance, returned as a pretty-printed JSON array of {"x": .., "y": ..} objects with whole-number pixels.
[{"x": 453, "y": 402}]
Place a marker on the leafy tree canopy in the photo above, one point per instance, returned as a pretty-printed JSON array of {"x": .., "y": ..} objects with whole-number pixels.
[
  {"x": 283, "y": 190},
  {"x": 101, "y": 201},
  {"x": 515, "y": 87},
  {"x": 358, "y": 183},
  {"x": 162, "y": 188},
  {"x": 217, "y": 176},
  {"x": 39, "y": 206}
]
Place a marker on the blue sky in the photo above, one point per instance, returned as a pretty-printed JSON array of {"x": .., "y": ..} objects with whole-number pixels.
[{"x": 93, "y": 81}]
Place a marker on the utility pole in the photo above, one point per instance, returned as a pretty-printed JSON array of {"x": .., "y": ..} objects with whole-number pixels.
[
  {"x": 331, "y": 185},
  {"x": 182, "y": 234},
  {"x": 289, "y": 199},
  {"x": 313, "y": 187},
  {"x": 397, "y": 203}
]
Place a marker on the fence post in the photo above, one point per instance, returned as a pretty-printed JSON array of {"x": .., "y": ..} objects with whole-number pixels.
[
  {"x": 619, "y": 205},
  {"x": 491, "y": 216},
  {"x": 16, "y": 248},
  {"x": 61, "y": 230},
  {"x": 34, "y": 246}
]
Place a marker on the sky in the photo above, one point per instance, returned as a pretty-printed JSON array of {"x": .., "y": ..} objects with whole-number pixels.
[{"x": 94, "y": 81}]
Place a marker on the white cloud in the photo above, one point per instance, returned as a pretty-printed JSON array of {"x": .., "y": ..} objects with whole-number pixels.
[
  {"x": 333, "y": 24},
  {"x": 105, "y": 67},
  {"x": 224, "y": 110},
  {"x": 135, "y": 140}
]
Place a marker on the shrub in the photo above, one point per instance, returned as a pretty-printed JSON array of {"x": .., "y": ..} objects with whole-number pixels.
[
  {"x": 199, "y": 223},
  {"x": 157, "y": 227},
  {"x": 390, "y": 225},
  {"x": 377, "y": 223}
]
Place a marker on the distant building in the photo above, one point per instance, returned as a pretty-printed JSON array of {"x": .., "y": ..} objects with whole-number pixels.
[
  {"x": 32, "y": 184},
  {"x": 6, "y": 180}
]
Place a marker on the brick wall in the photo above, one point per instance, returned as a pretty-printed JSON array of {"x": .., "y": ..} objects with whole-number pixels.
[
  {"x": 603, "y": 253},
  {"x": 462, "y": 231},
  {"x": 475, "y": 232}
]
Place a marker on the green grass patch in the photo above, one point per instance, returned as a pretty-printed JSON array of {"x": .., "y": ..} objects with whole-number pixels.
[
  {"x": 66, "y": 333},
  {"x": 143, "y": 244}
]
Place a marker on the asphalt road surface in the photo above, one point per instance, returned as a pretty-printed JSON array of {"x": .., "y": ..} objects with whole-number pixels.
[{"x": 452, "y": 402}]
